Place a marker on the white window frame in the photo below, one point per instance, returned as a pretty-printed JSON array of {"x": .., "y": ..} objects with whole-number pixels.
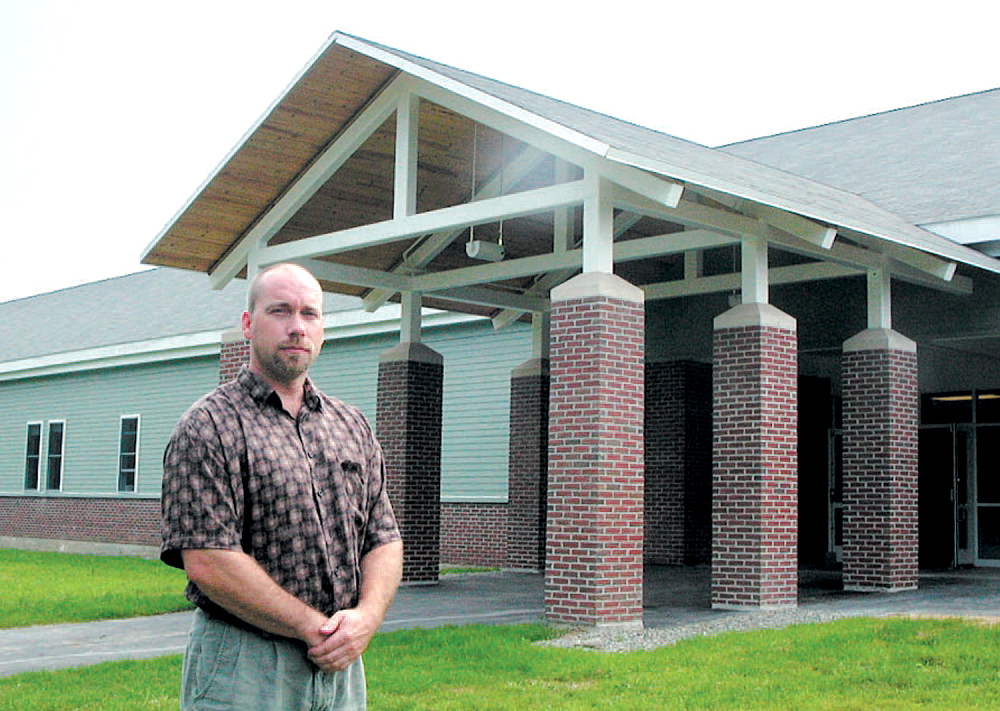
[
  {"x": 39, "y": 469},
  {"x": 49, "y": 456},
  {"x": 134, "y": 453}
]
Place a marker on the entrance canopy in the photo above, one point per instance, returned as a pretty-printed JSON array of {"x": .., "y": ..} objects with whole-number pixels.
[{"x": 388, "y": 174}]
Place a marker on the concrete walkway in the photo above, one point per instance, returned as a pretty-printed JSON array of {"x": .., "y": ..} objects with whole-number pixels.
[{"x": 673, "y": 597}]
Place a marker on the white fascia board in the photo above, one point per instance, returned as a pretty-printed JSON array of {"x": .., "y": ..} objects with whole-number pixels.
[
  {"x": 239, "y": 144},
  {"x": 192, "y": 345},
  {"x": 338, "y": 325},
  {"x": 970, "y": 232}
]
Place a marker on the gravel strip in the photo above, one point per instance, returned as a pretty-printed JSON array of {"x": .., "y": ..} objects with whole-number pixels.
[{"x": 618, "y": 639}]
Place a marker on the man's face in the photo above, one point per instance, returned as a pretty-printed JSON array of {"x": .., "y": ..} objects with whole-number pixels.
[{"x": 285, "y": 329}]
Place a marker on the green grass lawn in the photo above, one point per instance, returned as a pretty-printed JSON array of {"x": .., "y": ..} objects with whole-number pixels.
[
  {"x": 56, "y": 588},
  {"x": 854, "y": 664},
  {"x": 858, "y": 664}
]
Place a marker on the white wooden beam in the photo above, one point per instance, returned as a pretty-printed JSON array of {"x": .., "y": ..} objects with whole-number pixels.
[
  {"x": 544, "y": 283},
  {"x": 355, "y": 276},
  {"x": 728, "y": 282},
  {"x": 497, "y": 271},
  {"x": 306, "y": 185},
  {"x": 866, "y": 260},
  {"x": 495, "y": 298},
  {"x": 753, "y": 282},
  {"x": 405, "y": 181},
  {"x": 410, "y": 319},
  {"x": 879, "y": 298},
  {"x": 790, "y": 222},
  {"x": 522, "y": 164},
  {"x": 458, "y": 216},
  {"x": 934, "y": 266},
  {"x": 598, "y": 227},
  {"x": 577, "y": 149}
]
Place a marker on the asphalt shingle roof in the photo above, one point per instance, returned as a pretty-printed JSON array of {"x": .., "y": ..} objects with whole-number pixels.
[
  {"x": 934, "y": 162},
  {"x": 156, "y": 303}
]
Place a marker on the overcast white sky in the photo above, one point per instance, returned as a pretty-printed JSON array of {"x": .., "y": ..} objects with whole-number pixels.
[{"x": 115, "y": 111}]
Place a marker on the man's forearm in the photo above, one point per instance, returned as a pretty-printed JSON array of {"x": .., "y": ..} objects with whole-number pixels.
[
  {"x": 381, "y": 572},
  {"x": 234, "y": 581}
]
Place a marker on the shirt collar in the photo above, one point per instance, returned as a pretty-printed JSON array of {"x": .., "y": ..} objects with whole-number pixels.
[{"x": 259, "y": 389}]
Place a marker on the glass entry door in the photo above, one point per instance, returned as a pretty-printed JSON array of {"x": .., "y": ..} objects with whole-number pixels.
[
  {"x": 946, "y": 504},
  {"x": 986, "y": 495}
]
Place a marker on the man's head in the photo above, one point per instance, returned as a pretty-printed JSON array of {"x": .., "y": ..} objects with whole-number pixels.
[{"x": 284, "y": 323}]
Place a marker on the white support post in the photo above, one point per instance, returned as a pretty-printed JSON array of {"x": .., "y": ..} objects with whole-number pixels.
[
  {"x": 879, "y": 299},
  {"x": 754, "y": 273},
  {"x": 540, "y": 330},
  {"x": 562, "y": 232},
  {"x": 409, "y": 322},
  {"x": 694, "y": 261},
  {"x": 598, "y": 228},
  {"x": 407, "y": 122}
]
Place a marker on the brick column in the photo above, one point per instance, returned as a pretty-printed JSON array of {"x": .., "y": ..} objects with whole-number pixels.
[
  {"x": 527, "y": 471},
  {"x": 595, "y": 489},
  {"x": 880, "y": 462},
  {"x": 234, "y": 353},
  {"x": 754, "y": 559},
  {"x": 408, "y": 422},
  {"x": 678, "y": 463}
]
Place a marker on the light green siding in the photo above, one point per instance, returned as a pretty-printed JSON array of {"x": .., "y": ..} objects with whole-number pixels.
[
  {"x": 475, "y": 429},
  {"x": 476, "y": 407},
  {"x": 91, "y": 403}
]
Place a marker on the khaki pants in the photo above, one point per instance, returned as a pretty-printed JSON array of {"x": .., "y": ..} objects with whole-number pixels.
[{"x": 230, "y": 667}]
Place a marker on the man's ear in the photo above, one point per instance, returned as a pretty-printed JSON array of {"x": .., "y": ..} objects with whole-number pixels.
[{"x": 246, "y": 322}]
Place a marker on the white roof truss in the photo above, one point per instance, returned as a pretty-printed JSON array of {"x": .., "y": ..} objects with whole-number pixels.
[{"x": 711, "y": 216}]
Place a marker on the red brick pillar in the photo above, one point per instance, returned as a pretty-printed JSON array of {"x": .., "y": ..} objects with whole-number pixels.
[
  {"x": 234, "y": 353},
  {"x": 527, "y": 471},
  {"x": 408, "y": 422},
  {"x": 678, "y": 463},
  {"x": 880, "y": 462},
  {"x": 755, "y": 485},
  {"x": 595, "y": 490}
]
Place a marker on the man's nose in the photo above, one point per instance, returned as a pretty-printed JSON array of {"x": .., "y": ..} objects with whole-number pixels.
[{"x": 296, "y": 324}]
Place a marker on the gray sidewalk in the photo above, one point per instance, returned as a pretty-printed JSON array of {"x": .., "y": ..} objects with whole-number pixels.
[{"x": 674, "y": 598}]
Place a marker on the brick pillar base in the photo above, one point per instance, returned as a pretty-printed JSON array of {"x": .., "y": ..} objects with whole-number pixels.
[
  {"x": 594, "y": 528},
  {"x": 678, "y": 463},
  {"x": 880, "y": 462},
  {"x": 234, "y": 353},
  {"x": 754, "y": 558},
  {"x": 527, "y": 472},
  {"x": 408, "y": 422}
]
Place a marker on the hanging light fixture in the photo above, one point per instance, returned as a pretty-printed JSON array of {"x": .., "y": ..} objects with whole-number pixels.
[{"x": 477, "y": 248}]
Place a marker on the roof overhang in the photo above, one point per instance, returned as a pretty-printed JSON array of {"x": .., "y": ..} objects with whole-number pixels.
[{"x": 375, "y": 168}]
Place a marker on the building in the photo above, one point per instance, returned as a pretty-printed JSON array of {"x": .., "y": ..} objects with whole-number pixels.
[{"x": 775, "y": 353}]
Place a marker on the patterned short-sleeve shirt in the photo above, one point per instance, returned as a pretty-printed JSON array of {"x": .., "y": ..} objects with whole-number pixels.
[{"x": 305, "y": 496}]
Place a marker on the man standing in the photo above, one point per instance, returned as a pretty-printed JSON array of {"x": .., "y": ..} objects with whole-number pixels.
[{"x": 274, "y": 503}]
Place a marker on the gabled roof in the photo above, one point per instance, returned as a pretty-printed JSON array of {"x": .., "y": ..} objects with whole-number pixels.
[
  {"x": 471, "y": 131},
  {"x": 152, "y": 304},
  {"x": 931, "y": 163}
]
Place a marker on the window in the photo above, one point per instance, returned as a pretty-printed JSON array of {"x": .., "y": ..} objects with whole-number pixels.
[
  {"x": 57, "y": 432},
  {"x": 33, "y": 455},
  {"x": 128, "y": 452}
]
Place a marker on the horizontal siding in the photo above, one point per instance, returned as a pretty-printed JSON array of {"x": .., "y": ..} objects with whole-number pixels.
[
  {"x": 91, "y": 404},
  {"x": 475, "y": 428},
  {"x": 476, "y": 399},
  {"x": 476, "y": 409}
]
